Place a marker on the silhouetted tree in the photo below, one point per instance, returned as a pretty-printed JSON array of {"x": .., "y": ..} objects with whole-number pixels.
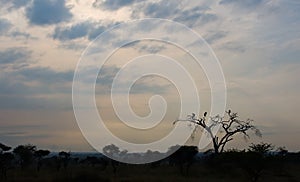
[
  {"x": 230, "y": 124},
  {"x": 25, "y": 154},
  {"x": 183, "y": 157},
  {"x": 39, "y": 154},
  {"x": 5, "y": 159},
  {"x": 281, "y": 157},
  {"x": 4, "y": 148},
  {"x": 114, "y": 152},
  {"x": 111, "y": 150},
  {"x": 64, "y": 158},
  {"x": 261, "y": 148},
  {"x": 256, "y": 160},
  {"x": 282, "y": 151},
  {"x": 93, "y": 161}
]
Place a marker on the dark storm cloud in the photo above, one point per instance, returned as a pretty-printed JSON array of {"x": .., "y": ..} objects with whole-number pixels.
[
  {"x": 46, "y": 12},
  {"x": 5, "y": 25},
  {"x": 112, "y": 4}
]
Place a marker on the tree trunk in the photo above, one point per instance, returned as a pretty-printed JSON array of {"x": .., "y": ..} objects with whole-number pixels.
[{"x": 216, "y": 146}]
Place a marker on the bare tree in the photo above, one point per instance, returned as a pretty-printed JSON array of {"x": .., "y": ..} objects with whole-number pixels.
[{"x": 230, "y": 124}]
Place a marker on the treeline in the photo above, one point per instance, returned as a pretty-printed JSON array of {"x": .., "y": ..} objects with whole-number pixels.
[{"x": 258, "y": 162}]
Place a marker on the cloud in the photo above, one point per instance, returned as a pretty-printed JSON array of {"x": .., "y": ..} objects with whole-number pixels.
[
  {"x": 195, "y": 15},
  {"x": 97, "y": 31},
  {"x": 19, "y": 34},
  {"x": 112, "y": 4},
  {"x": 14, "y": 57},
  {"x": 214, "y": 36},
  {"x": 151, "y": 49},
  {"x": 20, "y": 3},
  {"x": 47, "y": 12},
  {"x": 161, "y": 9},
  {"x": 145, "y": 85},
  {"x": 174, "y": 10},
  {"x": 68, "y": 33},
  {"x": 15, "y": 4},
  {"x": 233, "y": 47},
  {"x": 107, "y": 74},
  {"x": 146, "y": 46},
  {"x": 35, "y": 88},
  {"x": 150, "y": 84},
  {"x": 5, "y": 25},
  {"x": 87, "y": 29},
  {"x": 46, "y": 75},
  {"x": 242, "y": 3},
  {"x": 35, "y": 80}
]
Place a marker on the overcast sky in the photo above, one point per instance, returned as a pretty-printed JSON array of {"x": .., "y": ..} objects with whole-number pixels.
[{"x": 256, "y": 41}]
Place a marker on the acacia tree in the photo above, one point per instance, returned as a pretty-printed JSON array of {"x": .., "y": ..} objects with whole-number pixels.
[
  {"x": 230, "y": 123},
  {"x": 261, "y": 148}
]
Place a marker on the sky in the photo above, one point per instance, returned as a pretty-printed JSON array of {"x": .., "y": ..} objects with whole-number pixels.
[{"x": 257, "y": 43}]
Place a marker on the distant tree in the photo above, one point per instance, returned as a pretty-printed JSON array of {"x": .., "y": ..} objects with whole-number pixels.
[
  {"x": 4, "y": 148},
  {"x": 230, "y": 125},
  {"x": 6, "y": 158},
  {"x": 25, "y": 154},
  {"x": 261, "y": 148},
  {"x": 114, "y": 152},
  {"x": 64, "y": 158},
  {"x": 281, "y": 156},
  {"x": 282, "y": 151},
  {"x": 183, "y": 157},
  {"x": 111, "y": 150},
  {"x": 256, "y": 160},
  {"x": 40, "y": 154}
]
